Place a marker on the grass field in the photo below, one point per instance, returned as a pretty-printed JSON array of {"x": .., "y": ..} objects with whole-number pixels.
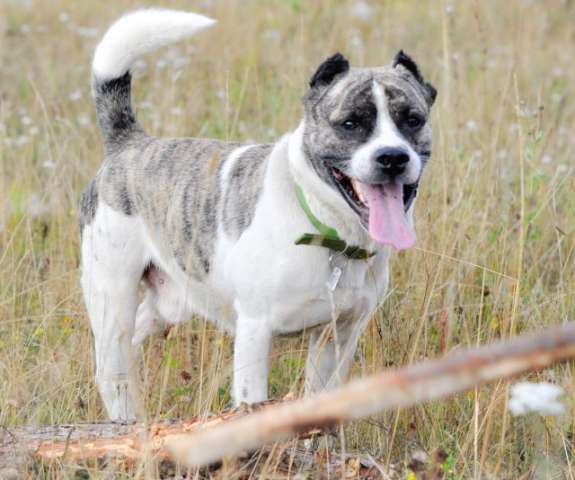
[{"x": 495, "y": 216}]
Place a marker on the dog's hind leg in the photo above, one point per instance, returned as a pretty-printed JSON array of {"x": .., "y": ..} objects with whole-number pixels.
[
  {"x": 113, "y": 260},
  {"x": 331, "y": 354},
  {"x": 149, "y": 322},
  {"x": 164, "y": 305}
]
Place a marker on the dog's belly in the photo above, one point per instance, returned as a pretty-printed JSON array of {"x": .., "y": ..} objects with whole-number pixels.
[
  {"x": 197, "y": 298},
  {"x": 178, "y": 296},
  {"x": 299, "y": 310},
  {"x": 290, "y": 301}
]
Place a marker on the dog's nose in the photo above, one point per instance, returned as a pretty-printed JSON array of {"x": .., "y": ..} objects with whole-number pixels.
[{"x": 392, "y": 159}]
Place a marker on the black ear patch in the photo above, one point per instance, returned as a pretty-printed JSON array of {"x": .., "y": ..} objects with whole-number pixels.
[
  {"x": 409, "y": 64},
  {"x": 431, "y": 93},
  {"x": 329, "y": 69}
]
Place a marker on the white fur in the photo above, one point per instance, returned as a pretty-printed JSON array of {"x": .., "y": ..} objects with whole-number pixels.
[
  {"x": 260, "y": 284},
  {"x": 386, "y": 134},
  {"x": 141, "y": 32},
  {"x": 110, "y": 293},
  {"x": 250, "y": 290},
  {"x": 229, "y": 164}
]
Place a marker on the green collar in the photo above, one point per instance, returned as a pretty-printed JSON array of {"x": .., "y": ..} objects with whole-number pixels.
[{"x": 328, "y": 236}]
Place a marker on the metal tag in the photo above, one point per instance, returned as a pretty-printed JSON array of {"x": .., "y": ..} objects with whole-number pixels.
[{"x": 334, "y": 278}]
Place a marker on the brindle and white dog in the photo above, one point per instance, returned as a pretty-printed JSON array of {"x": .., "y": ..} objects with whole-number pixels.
[{"x": 210, "y": 227}]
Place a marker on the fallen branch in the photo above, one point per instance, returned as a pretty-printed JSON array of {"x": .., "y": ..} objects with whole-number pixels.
[
  {"x": 204, "y": 441},
  {"x": 75, "y": 442},
  {"x": 390, "y": 389}
]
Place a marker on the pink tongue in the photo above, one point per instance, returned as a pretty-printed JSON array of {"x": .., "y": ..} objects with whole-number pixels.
[{"x": 387, "y": 222}]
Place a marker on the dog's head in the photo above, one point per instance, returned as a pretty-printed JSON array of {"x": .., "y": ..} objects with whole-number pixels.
[{"x": 368, "y": 136}]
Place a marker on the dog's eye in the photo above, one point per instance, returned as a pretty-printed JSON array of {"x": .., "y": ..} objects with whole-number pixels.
[
  {"x": 414, "y": 122},
  {"x": 350, "y": 124}
]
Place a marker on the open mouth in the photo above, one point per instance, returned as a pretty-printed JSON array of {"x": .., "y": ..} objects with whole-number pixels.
[
  {"x": 380, "y": 207},
  {"x": 354, "y": 195}
]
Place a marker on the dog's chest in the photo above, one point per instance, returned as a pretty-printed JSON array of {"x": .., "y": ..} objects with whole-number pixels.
[{"x": 326, "y": 290}]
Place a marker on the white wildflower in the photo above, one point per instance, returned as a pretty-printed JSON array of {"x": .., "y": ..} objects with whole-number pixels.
[
  {"x": 48, "y": 164},
  {"x": 139, "y": 66},
  {"x": 36, "y": 206},
  {"x": 84, "y": 120},
  {"x": 26, "y": 120},
  {"x": 33, "y": 131},
  {"x": 21, "y": 140},
  {"x": 24, "y": 28},
  {"x": 541, "y": 398},
  {"x": 64, "y": 17},
  {"x": 177, "y": 111},
  {"x": 547, "y": 159},
  {"x": 75, "y": 95},
  {"x": 272, "y": 35},
  {"x": 562, "y": 169},
  {"x": 179, "y": 61},
  {"x": 471, "y": 125},
  {"x": 87, "y": 32},
  {"x": 355, "y": 40},
  {"x": 362, "y": 10}
]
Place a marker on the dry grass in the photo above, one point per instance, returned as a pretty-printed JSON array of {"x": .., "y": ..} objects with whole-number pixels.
[{"x": 495, "y": 217}]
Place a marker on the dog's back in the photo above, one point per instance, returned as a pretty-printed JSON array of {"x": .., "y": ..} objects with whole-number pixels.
[{"x": 175, "y": 186}]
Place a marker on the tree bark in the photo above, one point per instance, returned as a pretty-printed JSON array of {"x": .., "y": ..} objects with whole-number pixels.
[{"x": 21, "y": 446}]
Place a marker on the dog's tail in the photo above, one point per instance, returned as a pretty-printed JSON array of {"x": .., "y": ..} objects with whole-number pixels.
[{"x": 126, "y": 40}]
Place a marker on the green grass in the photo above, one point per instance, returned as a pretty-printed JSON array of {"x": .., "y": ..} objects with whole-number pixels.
[{"x": 495, "y": 215}]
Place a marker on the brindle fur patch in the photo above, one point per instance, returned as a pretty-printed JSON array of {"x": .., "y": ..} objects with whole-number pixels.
[
  {"x": 350, "y": 95},
  {"x": 244, "y": 185}
]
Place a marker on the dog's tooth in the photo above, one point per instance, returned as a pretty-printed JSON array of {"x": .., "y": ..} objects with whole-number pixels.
[{"x": 356, "y": 185}]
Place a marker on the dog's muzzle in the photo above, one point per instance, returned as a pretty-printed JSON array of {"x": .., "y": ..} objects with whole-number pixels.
[{"x": 392, "y": 161}]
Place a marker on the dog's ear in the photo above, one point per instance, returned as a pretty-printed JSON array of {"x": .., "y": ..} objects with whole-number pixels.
[
  {"x": 405, "y": 61},
  {"x": 329, "y": 69}
]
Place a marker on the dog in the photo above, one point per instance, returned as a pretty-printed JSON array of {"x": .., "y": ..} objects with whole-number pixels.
[{"x": 262, "y": 239}]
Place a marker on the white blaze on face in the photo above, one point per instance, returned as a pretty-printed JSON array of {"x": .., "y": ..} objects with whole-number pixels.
[
  {"x": 385, "y": 134},
  {"x": 388, "y": 223}
]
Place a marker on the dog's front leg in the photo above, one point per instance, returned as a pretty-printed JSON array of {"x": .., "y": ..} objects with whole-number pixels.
[
  {"x": 251, "y": 359},
  {"x": 330, "y": 354}
]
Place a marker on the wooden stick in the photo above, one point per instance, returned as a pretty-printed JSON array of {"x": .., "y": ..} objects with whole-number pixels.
[
  {"x": 81, "y": 441},
  {"x": 204, "y": 441},
  {"x": 390, "y": 389}
]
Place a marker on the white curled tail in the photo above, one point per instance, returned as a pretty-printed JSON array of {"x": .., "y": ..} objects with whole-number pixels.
[
  {"x": 140, "y": 32},
  {"x": 126, "y": 40}
]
